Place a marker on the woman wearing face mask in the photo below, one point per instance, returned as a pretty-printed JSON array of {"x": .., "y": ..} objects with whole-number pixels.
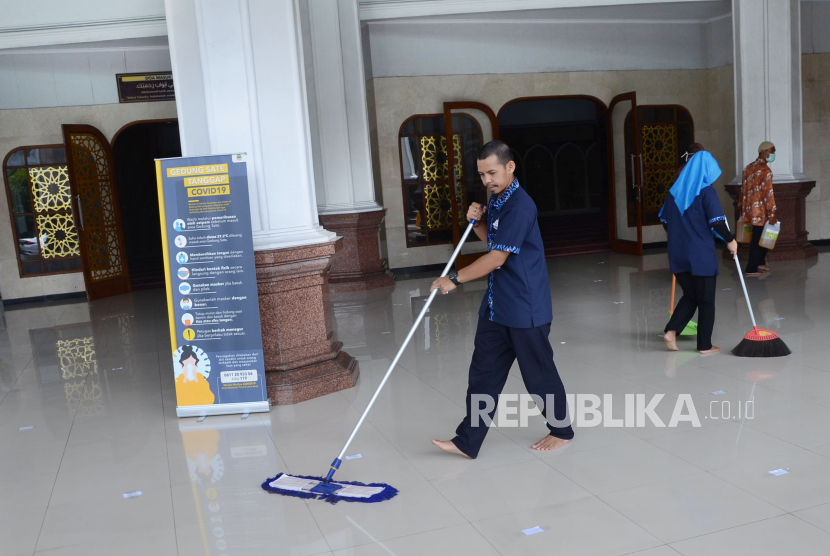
[
  {"x": 692, "y": 217},
  {"x": 191, "y": 386},
  {"x": 757, "y": 205}
]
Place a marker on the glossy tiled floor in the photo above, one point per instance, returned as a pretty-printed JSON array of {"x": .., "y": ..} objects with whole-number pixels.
[{"x": 94, "y": 382}]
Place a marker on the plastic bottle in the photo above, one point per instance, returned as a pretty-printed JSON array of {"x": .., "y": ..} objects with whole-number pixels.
[
  {"x": 744, "y": 231},
  {"x": 770, "y": 235}
]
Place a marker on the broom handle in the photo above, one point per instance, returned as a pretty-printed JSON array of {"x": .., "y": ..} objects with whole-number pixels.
[
  {"x": 339, "y": 459},
  {"x": 673, "y": 286},
  {"x": 746, "y": 295}
]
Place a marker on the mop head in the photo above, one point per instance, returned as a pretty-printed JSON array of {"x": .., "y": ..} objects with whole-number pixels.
[
  {"x": 761, "y": 343},
  {"x": 333, "y": 492}
]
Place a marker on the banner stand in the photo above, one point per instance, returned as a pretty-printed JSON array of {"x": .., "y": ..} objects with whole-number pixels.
[
  {"x": 212, "y": 300},
  {"x": 222, "y": 409}
]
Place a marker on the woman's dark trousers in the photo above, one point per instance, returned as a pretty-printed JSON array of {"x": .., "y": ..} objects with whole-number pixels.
[{"x": 698, "y": 295}]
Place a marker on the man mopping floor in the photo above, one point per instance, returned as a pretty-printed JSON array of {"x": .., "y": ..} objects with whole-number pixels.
[{"x": 515, "y": 314}]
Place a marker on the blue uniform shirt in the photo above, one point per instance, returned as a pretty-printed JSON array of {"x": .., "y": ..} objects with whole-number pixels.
[
  {"x": 518, "y": 292},
  {"x": 691, "y": 239}
]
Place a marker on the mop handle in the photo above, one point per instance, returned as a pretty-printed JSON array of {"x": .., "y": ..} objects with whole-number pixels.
[
  {"x": 746, "y": 295},
  {"x": 339, "y": 459}
]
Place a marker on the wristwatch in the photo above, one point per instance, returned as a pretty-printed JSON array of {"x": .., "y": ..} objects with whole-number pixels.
[{"x": 453, "y": 276}]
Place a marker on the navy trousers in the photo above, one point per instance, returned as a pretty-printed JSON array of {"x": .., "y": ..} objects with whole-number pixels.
[{"x": 496, "y": 347}]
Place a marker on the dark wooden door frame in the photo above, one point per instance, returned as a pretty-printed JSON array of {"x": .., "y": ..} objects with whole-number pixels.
[
  {"x": 624, "y": 246},
  {"x": 119, "y": 284},
  {"x": 462, "y": 260}
]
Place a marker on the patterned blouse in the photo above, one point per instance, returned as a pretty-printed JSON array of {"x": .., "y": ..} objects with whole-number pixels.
[{"x": 757, "y": 201}]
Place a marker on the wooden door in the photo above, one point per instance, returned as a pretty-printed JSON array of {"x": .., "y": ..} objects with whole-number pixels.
[
  {"x": 95, "y": 206},
  {"x": 465, "y": 185},
  {"x": 624, "y": 172}
]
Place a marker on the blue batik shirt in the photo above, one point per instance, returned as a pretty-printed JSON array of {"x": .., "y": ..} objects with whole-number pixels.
[{"x": 518, "y": 292}]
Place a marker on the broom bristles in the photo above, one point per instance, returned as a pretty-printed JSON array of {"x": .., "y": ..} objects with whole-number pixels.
[{"x": 773, "y": 347}]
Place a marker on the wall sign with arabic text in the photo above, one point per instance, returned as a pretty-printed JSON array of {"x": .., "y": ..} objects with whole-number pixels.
[{"x": 145, "y": 87}]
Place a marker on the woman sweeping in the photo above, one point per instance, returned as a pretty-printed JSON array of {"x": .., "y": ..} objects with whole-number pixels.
[{"x": 690, "y": 215}]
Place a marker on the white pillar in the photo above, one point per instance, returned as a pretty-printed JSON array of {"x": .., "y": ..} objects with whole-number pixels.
[
  {"x": 767, "y": 42},
  {"x": 337, "y": 101},
  {"x": 240, "y": 87}
]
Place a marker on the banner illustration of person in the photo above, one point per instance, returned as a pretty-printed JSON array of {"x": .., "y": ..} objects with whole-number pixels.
[{"x": 192, "y": 368}]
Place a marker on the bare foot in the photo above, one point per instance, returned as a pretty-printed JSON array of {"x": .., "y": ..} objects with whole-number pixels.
[
  {"x": 549, "y": 443},
  {"x": 753, "y": 273},
  {"x": 764, "y": 268},
  {"x": 714, "y": 349},
  {"x": 449, "y": 446},
  {"x": 670, "y": 338}
]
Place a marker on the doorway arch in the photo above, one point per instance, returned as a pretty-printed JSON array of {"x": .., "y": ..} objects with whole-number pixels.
[
  {"x": 135, "y": 148},
  {"x": 561, "y": 146}
]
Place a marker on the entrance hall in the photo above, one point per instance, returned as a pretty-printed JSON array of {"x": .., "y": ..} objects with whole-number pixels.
[
  {"x": 351, "y": 131},
  {"x": 560, "y": 147}
]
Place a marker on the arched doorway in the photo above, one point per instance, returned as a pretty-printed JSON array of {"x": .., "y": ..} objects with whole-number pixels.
[
  {"x": 560, "y": 143},
  {"x": 135, "y": 147}
]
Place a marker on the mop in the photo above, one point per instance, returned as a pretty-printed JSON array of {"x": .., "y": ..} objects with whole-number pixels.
[
  {"x": 758, "y": 342},
  {"x": 302, "y": 486}
]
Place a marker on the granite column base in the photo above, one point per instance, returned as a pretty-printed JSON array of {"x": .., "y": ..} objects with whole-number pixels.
[
  {"x": 301, "y": 359},
  {"x": 790, "y": 199},
  {"x": 357, "y": 266}
]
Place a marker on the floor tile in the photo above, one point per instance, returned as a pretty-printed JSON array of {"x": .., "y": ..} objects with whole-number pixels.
[
  {"x": 419, "y": 508},
  {"x": 817, "y": 515},
  {"x": 784, "y": 534},
  {"x": 582, "y": 527},
  {"x": 803, "y": 486},
  {"x": 450, "y": 541},
  {"x": 716, "y": 447},
  {"x": 508, "y": 489},
  {"x": 162, "y": 543},
  {"x": 689, "y": 506},
  {"x": 621, "y": 466},
  {"x": 86, "y": 521}
]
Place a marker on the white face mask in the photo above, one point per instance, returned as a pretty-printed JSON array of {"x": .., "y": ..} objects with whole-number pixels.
[{"x": 190, "y": 371}]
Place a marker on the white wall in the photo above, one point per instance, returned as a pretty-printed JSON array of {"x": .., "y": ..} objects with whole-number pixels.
[
  {"x": 78, "y": 75},
  {"x": 718, "y": 42},
  {"x": 40, "y": 13},
  {"x": 419, "y": 47},
  {"x": 41, "y": 22}
]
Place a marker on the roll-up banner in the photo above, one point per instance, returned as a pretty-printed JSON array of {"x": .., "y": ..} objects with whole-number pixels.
[{"x": 212, "y": 298}]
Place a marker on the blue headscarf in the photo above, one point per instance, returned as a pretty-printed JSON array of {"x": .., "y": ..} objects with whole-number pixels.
[{"x": 701, "y": 171}]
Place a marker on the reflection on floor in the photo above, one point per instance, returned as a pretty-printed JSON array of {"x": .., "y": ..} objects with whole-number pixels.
[
  {"x": 574, "y": 234},
  {"x": 95, "y": 384}
]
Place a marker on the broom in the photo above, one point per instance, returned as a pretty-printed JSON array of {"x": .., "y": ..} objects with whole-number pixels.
[
  {"x": 302, "y": 486},
  {"x": 758, "y": 342},
  {"x": 691, "y": 328}
]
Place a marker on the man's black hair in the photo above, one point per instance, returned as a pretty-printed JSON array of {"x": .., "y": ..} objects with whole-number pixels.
[{"x": 498, "y": 148}]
